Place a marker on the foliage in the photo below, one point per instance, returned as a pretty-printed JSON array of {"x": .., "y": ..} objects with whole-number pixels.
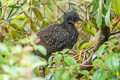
[{"x": 20, "y": 19}]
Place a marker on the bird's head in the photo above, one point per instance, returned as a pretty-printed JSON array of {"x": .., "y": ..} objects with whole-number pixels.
[{"x": 72, "y": 17}]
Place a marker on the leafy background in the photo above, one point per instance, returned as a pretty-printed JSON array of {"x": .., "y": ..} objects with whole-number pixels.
[{"x": 21, "y": 19}]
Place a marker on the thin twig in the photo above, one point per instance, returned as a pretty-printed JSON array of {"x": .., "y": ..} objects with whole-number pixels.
[
  {"x": 115, "y": 25},
  {"x": 58, "y": 6},
  {"x": 8, "y": 20},
  {"x": 113, "y": 33},
  {"x": 18, "y": 8}
]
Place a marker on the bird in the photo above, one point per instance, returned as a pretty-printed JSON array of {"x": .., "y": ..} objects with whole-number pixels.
[{"x": 56, "y": 37}]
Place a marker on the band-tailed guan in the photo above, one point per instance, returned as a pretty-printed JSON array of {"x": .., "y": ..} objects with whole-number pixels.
[{"x": 56, "y": 37}]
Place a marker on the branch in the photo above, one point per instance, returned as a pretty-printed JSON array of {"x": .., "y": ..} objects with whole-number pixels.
[
  {"x": 113, "y": 33},
  {"x": 58, "y": 6},
  {"x": 103, "y": 37}
]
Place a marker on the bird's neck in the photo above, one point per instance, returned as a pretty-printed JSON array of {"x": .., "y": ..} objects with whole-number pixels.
[{"x": 68, "y": 26}]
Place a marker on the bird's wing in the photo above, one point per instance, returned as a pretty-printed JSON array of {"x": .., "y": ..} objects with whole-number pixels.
[{"x": 54, "y": 36}]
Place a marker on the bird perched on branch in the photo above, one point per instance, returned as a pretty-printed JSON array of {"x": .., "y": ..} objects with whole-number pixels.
[{"x": 56, "y": 37}]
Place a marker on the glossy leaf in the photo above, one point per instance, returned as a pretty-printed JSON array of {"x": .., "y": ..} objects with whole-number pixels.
[
  {"x": 58, "y": 57},
  {"x": 37, "y": 13},
  {"x": 33, "y": 61},
  {"x": 86, "y": 45},
  {"x": 116, "y": 6},
  {"x": 101, "y": 50},
  {"x": 112, "y": 41},
  {"x": 66, "y": 76},
  {"x": 70, "y": 60},
  {"x": 99, "y": 14},
  {"x": 112, "y": 62},
  {"x": 100, "y": 75},
  {"x": 107, "y": 17},
  {"x": 95, "y": 5},
  {"x": 58, "y": 75},
  {"x": 98, "y": 63},
  {"x": 17, "y": 27},
  {"x": 41, "y": 49},
  {"x": 84, "y": 72}
]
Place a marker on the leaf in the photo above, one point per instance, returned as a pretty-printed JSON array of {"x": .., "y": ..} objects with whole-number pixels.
[
  {"x": 27, "y": 49},
  {"x": 70, "y": 60},
  {"x": 100, "y": 75},
  {"x": 98, "y": 63},
  {"x": 4, "y": 76},
  {"x": 116, "y": 6},
  {"x": 95, "y": 5},
  {"x": 112, "y": 41},
  {"x": 99, "y": 14},
  {"x": 41, "y": 49},
  {"x": 17, "y": 27},
  {"x": 65, "y": 76},
  {"x": 14, "y": 34},
  {"x": 99, "y": 18},
  {"x": 50, "y": 60},
  {"x": 33, "y": 61},
  {"x": 3, "y": 48},
  {"x": 37, "y": 13},
  {"x": 112, "y": 62},
  {"x": 17, "y": 49},
  {"x": 58, "y": 75},
  {"x": 86, "y": 45},
  {"x": 33, "y": 26},
  {"x": 14, "y": 6},
  {"x": 0, "y": 8},
  {"x": 58, "y": 57},
  {"x": 84, "y": 72},
  {"x": 65, "y": 51},
  {"x": 101, "y": 50},
  {"x": 107, "y": 17}
]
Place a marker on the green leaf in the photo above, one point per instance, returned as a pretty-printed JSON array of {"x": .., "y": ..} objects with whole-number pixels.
[
  {"x": 0, "y": 8},
  {"x": 100, "y": 75},
  {"x": 99, "y": 18},
  {"x": 107, "y": 17},
  {"x": 14, "y": 6},
  {"x": 99, "y": 14},
  {"x": 84, "y": 72},
  {"x": 58, "y": 75},
  {"x": 65, "y": 76},
  {"x": 58, "y": 57},
  {"x": 116, "y": 6},
  {"x": 101, "y": 50},
  {"x": 70, "y": 60},
  {"x": 98, "y": 63},
  {"x": 33, "y": 61},
  {"x": 95, "y": 5},
  {"x": 37, "y": 13},
  {"x": 4, "y": 76},
  {"x": 33, "y": 26},
  {"x": 3, "y": 48},
  {"x": 112, "y": 41},
  {"x": 50, "y": 60},
  {"x": 17, "y": 49},
  {"x": 112, "y": 62},
  {"x": 65, "y": 51},
  {"x": 14, "y": 34},
  {"x": 17, "y": 27},
  {"x": 41, "y": 49},
  {"x": 86, "y": 45}
]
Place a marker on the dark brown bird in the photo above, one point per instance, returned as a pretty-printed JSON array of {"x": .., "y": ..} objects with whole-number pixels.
[{"x": 56, "y": 37}]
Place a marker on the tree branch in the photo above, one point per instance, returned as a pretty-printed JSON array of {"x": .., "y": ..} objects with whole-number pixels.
[
  {"x": 113, "y": 33},
  {"x": 103, "y": 37}
]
